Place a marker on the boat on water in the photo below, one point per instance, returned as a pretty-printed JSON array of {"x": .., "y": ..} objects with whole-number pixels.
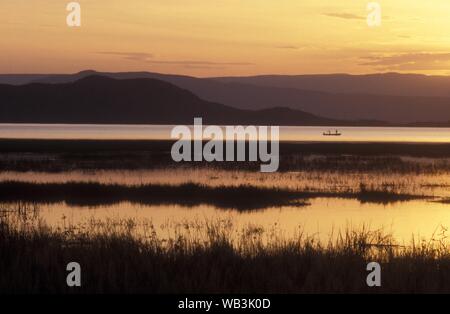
[{"x": 329, "y": 133}]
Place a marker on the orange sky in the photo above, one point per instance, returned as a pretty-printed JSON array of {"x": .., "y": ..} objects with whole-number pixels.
[{"x": 225, "y": 37}]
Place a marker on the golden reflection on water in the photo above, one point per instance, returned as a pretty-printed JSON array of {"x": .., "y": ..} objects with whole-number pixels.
[{"x": 323, "y": 219}]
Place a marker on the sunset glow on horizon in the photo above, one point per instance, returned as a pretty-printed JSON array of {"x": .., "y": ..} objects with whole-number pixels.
[{"x": 219, "y": 38}]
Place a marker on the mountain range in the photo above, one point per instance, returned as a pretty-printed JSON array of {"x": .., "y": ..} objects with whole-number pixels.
[
  {"x": 99, "y": 99},
  {"x": 335, "y": 98}
]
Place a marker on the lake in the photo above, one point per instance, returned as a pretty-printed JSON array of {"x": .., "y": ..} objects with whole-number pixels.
[
  {"x": 320, "y": 217},
  {"x": 162, "y": 132},
  {"x": 355, "y": 192}
]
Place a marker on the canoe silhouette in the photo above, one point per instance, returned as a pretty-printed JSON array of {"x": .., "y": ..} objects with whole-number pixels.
[{"x": 329, "y": 133}]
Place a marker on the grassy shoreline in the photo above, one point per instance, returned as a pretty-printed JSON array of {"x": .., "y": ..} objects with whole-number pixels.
[
  {"x": 241, "y": 197},
  {"x": 113, "y": 261},
  {"x": 162, "y": 146},
  {"x": 66, "y": 155}
]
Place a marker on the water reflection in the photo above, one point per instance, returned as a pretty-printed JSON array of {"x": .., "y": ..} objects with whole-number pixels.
[
  {"x": 175, "y": 207},
  {"x": 323, "y": 218},
  {"x": 162, "y": 132}
]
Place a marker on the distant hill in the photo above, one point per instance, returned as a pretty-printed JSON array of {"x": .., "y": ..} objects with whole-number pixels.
[
  {"x": 20, "y": 79},
  {"x": 97, "y": 99},
  {"x": 396, "y": 98},
  {"x": 393, "y": 84}
]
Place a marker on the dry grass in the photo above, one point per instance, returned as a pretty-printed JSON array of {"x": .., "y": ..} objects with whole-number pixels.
[{"x": 202, "y": 257}]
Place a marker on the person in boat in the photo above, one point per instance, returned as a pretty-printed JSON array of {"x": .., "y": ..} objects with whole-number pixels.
[{"x": 330, "y": 133}]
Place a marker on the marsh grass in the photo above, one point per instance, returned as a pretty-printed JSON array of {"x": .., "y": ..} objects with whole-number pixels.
[
  {"x": 211, "y": 256},
  {"x": 443, "y": 201},
  {"x": 435, "y": 184},
  {"x": 55, "y": 163},
  {"x": 202, "y": 257},
  {"x": 65, "y": 155},
  {"x": 241, "y": 197}
]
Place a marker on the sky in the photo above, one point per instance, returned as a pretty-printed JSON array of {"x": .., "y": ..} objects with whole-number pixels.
[{"x": 225, "y": 37}]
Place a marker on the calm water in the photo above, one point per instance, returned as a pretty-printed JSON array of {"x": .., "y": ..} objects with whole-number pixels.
[
  {"x": 321, "y": 218},
  {"x": 162, "y": 132}
]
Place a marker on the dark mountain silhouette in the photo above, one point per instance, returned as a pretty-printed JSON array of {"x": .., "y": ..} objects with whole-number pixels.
[
  {"x": 20, "y": 79},
  {"x": 360, "y": 97},
  {"x": 97, "y": 99},
  {"x": 394, "y": 84}
]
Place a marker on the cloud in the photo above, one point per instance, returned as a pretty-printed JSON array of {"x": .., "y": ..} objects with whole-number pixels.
[
  {"x": 197, "y": 63},
  {"x": 409, "y": 61},
  {"x": 149, "y": 58},
  {"x": 288, "y": 47},
  {"x": 204, "y": 67},
  {"x": 347, "y": 16},
  {"x": 135, "y": 56}
]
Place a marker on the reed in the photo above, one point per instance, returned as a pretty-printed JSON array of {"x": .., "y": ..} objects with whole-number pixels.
[
  {"x": 240, "y": 197},
  {"x": 204, "y": 258}
]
